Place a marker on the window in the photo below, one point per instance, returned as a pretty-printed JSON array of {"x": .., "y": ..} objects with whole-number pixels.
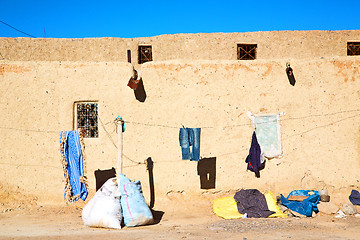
[
  {"x": 246, "y": 51},
  {"x": 353, "y": 48},
  {"x": 87, "y": 119},
  {"x": 145, "y": 54}
]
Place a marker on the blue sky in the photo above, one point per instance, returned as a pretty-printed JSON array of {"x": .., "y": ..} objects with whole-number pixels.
[{"x": 128, "y": 19}]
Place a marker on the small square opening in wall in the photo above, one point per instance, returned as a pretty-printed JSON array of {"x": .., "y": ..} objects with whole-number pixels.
[
  {"x": 86, "y": 119},
  {"x": 246, "y": 51},
  {"x": 353, "y": 48},
  {"x": 145, "y": 54}
]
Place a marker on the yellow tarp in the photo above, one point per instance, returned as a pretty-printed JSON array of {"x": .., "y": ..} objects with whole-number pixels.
[
  {"x": 226, "y": 207},
  {"x": 272, "y": 205}
]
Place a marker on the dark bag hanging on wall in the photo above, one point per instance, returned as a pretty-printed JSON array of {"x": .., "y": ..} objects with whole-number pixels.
[
  {"x": 133, "y": 84},
  {"x": 101, "y": 176},
  {"x": 290, "y": 74}
]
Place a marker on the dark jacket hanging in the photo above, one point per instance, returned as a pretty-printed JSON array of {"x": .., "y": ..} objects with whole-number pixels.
[{"x": 253, "y": 159}]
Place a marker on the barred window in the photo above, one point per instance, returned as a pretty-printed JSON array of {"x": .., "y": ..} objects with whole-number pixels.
[
  {"x": 145, "y": 54},
  {"x": 353, "y": 48},
  {"x": 87, "y": 119},
  {"x": 246, "y": 51}
]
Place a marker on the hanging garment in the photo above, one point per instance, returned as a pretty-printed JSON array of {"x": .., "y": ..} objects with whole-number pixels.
[
  {"x": 253, "y": 203},
  {"x": 73, "y": 166},
  {"x": 254, "y": 158},
  {"x": 190, "y": 137},
  {"x": 268, "y": 134}
]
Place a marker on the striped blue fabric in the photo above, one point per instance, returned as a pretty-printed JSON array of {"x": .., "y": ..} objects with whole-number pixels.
[{"x": 75, "y": 166}]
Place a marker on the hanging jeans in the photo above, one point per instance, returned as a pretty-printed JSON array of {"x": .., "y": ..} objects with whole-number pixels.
[{"x": 190, "y": 137}]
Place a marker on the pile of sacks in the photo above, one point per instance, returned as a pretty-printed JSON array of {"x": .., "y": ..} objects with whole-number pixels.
[{"x": 117, "y": 200}]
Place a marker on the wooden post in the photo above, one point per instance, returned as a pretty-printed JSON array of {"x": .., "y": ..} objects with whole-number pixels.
[{"x": 119, "y": 128}]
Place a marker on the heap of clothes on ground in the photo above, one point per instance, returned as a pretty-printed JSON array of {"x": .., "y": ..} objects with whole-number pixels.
[{"x": 252, "y": 203}]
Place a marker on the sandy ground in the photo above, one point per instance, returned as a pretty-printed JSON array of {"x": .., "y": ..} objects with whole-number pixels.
[{"x": 175, "y": 221}]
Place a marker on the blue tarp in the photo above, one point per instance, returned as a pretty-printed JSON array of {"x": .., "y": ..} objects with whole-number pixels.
[
  {"x": 305, "y": 207},
  {"x": 75, "y": 187}
]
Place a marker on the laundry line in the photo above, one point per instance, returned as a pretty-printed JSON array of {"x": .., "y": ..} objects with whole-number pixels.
[
  {"x": 179, "y": 126},
  {"x": 248, "y": 124},
  {"x": 29, "y": 130}
]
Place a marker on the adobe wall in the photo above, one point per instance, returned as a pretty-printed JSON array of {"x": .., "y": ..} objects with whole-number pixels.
[
  {"x": 320, "y": 128},
  {"x": 202, "y": 46}
]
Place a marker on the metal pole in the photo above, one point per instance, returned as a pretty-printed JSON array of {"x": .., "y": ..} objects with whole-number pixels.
[{"x": 119, "y": 128}]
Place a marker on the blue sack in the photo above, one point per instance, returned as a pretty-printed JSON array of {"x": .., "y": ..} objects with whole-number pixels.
[
  {"x": 305, "y": 207},
  {"x": 354, "y": 197},
  {"x": 134, "y": 208}
]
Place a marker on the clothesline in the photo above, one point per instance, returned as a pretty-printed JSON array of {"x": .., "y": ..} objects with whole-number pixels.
[
  {"x": 246, "y": 124},
  {"x": 179, "y": 126},
  {"x": 137, "y": 163}
]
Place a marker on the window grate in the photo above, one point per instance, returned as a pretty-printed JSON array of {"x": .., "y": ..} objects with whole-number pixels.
[
  {"x": 246, "y": 51},
  {"x": 145, "y": 54},
  {"x": 87, "y": 119},
  {"x": 353, "y": 48}
]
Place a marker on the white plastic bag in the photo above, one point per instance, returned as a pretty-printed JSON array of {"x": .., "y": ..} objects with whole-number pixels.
[{"x": 104, "y": 209}]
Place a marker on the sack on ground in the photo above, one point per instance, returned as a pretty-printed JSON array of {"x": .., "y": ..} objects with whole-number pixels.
[
  {"x": 104, "y": 209},
  {"x": 134, "y": 208}
]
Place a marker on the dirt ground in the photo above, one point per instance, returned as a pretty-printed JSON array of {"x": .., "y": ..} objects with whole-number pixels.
[{"x": 174, "y": 220}]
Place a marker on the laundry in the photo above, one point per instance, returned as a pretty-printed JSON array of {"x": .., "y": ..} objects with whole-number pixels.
[
  {"x": 73, "y": 166},
  {"x": 254, "y": 158},
  {"x": 253, "y": 203},
  {"x": 226, "y": 207},
  {"x": 190, "y": 137},
  {"x": 267, "y": 128},
  {"x": 304, "y": 207}
]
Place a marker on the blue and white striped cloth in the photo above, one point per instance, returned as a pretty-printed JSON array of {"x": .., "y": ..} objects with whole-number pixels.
[{"x": 71, "y": 149}]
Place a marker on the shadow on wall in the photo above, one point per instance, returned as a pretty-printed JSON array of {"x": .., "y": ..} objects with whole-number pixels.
[
  {"x": 150, "y": 167},
  {"x": 140, "y": 93},
  {"x": 156, "y": 214},
  {"x": 101, "y": 176},
  {"x": 206, "y": 168}
]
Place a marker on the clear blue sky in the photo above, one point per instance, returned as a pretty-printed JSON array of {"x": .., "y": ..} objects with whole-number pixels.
[{"x": 131, "y": 18}]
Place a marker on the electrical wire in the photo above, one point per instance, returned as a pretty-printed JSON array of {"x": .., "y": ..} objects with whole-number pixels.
[{"x": 16, "y": 29}]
